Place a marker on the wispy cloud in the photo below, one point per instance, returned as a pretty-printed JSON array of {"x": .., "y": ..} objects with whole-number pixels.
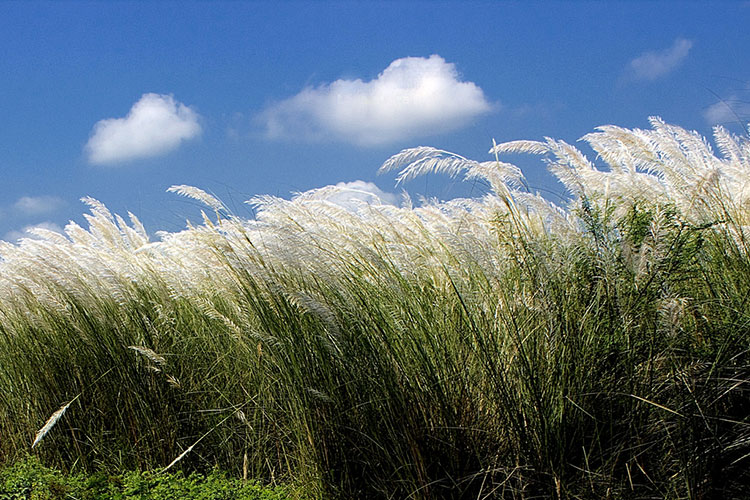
[
  {"x": 155, "y": 125},
  {"x": 38, "y": 205},
  {"x": 730, "y": 110},
  {"x": 413, "y": 96},
  {"x": 658, "y": 63},
  {"x": 28, "y": 231}
]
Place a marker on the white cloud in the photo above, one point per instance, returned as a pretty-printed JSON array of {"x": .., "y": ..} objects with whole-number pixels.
[
  {"x": 350, "y": 193},
  {"x": 352, "y": 196},
  {"x": 15, "y": 236},
  {"x": 657, "y": 63},
  {"x": 155, "y": 125},
  {"x": 38, "y": 205},
  {"x": 413, "y": 96},
  {"x": 731, "y": 110}
]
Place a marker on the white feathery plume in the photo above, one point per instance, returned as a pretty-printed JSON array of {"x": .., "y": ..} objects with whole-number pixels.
[
  {"x": 423, "y": 160},
  {"x": 197, "y": 194},
  {"x": 53, "y": 419},
  {"x": 662, "y": 166},
  {"x": 525, "y": 147},
  {"x": 149, "y": 354},
  {"x": 138, "y": 227},
  {"x": 49, "y": 235}
]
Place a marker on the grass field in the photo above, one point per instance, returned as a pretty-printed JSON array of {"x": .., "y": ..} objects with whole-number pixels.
[{"x": 495, "y": 347}]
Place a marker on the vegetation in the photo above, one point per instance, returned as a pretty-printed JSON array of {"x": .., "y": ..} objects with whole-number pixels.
[
  {"x": 29, "y": 479},
  {"x": 499, "y": 347}
]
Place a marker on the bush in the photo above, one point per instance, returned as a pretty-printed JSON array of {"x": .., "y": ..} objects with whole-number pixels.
[{"x": 29, "y": 479}]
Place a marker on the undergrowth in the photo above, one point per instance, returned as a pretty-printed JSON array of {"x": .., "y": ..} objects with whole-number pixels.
[{"x": 29, "y": 479}]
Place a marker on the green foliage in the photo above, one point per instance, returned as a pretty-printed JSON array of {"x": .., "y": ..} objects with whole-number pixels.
[{"x": 28, "y": 479}]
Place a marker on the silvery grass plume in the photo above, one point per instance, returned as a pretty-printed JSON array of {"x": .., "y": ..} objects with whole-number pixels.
[
  {"x": 102, "y": 261},
  {"x": 324, "y": 232},
  {"x": 506, "y": 183},
  {"x": 665, "y": 165},
  {"x": 53, "y": 419},
  {"x": 151, "y": 355}
]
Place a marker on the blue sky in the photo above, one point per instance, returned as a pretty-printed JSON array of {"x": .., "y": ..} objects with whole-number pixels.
[{"x": 120, "y": 100}]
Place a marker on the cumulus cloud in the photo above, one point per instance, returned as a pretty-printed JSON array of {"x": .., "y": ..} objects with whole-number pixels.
[
  {"x": 413, "y": 96},
  {"x": 38, "y": 205},
  {"x": 352, "y": 196},
  {"x": 350, "y": 193},
  {"x": 655, "y": 64},
  {"x": 731, "y": 110},
  {"x": 155, "y": 125},
  {"x": 27, "y": 232}
]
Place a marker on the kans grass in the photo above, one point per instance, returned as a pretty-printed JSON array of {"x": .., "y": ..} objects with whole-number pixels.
[{"x": 496, "y": 347}]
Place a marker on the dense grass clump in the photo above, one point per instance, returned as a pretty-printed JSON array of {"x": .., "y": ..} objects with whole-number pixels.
[{"x": 500, "y": 347}]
